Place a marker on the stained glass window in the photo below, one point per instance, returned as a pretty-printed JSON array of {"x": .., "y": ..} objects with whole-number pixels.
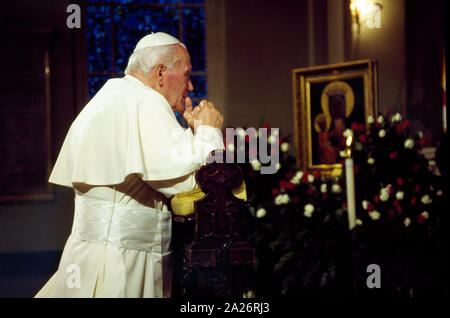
[{"x": 115, "y": 26}]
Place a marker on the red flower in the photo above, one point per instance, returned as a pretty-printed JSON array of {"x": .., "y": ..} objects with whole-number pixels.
[
  {"x": 266, "y": 125},
  {"x": 376, "y": 198},
  {"x": 370, "y": 207},
  {"x": 357, "y": 127},
  {"x": 356, "y": 169},
  {"x": 296, "y": 199},
  {"x": 304, "y": 177},
  {"x": 324, "y": 196},
  {"x": 393, "y": 155},
  {"x": 421, "y": 218},
  {"x": 416, "y": 168},
  {"x": 400, "y": 181},
  {"x": 391, "y": 213},
  {"x": 344, "y": 205},
  {"x": 363, "y": 138},
  {"x": 289, "y": 175},
  {"x": 399, "y": 209},
  {"x": 286, "y": 185},
  {"x": 417, "y": 188},
  {"x": 413, "y": 201},
  {"x": 399, "y": 129},
  {"x": 310, "y": 191},
  {"x": 423, "y": 141},
  {"x": 275, "y": 191},
  {"x": 273, "y": 150},
  {"x": 316, "y": 174},
  {"x": 391, "y": 189}
]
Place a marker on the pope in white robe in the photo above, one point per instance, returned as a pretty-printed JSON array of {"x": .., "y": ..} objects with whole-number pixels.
[{"x": 125, "y": 155}]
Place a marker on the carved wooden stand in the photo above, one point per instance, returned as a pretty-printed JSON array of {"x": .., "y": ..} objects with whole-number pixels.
[{"x": 211, "y": 248}]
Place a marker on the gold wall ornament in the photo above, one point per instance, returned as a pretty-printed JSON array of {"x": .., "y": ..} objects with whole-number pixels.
[{"x": 318, "y": 127}]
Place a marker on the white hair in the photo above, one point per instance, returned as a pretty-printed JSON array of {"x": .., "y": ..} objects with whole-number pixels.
[{"x": 143, "y": 60}]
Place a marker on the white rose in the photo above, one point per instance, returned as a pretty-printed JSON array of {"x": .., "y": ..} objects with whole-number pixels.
[
  {"x": 278, "y": 166},
  {"x": 279, "y": 199},
  {"x": 272, "y": 139},
  {"x": 396, "y": 118},
  {"x": 407, "y": 222},
  {"x": 261, "y": 213},
  {"x": 431, "y": 163},
  {"x": 358, "y": 222},
  {"x": 384, "y": 194},
  {"x": 409, "y": 143},
  {"x": 249, "y": 294},
  {"x": 230, "y": 147},
  {"x": 284, "y": 147},
  {"x": 342, "y": 153},
  {"x": 297, "y": 177},
  {"x": 370, "y": 161},
  {"x": 347, "y": 132},
  {"x": 370, "y": 119},
  {"x": 308, "y": 210},
  {"x": 426, "y": 199},
  {"x": 380, "y": 119},
  {"x": 400, "y": 195},
  {"x": 365, "y": 204},
  {"x": 240, "y": 132},
  {"x": 310, "y": 178},
  {"x": 439, "y": 193},
  {"x": 335, "y": 188},
  {"x": 425, "y": 214},
  {"x": 323, "y": 188},
  {"x": 256, "y": 165},
  {"x": 374, "y": 215},
  {"x": 282, "y": 199},
  {"x": 420, "y": 134},
  {"x": 382, "y": 133}
]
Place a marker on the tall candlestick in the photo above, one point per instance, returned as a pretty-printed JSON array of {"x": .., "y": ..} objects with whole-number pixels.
[{"x": 350, "y": 181}]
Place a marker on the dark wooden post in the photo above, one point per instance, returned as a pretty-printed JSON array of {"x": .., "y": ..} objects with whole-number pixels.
[{"x": 211, "y": 259}]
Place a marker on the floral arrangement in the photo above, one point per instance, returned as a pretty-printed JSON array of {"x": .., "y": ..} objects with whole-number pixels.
[{"x": 299, "y": 228}]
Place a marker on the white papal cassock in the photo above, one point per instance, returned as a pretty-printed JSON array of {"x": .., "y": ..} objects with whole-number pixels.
[{"x": 124, "y": 156}]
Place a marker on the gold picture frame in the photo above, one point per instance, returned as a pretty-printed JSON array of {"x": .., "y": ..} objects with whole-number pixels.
[{"x": 327, "y": 100}]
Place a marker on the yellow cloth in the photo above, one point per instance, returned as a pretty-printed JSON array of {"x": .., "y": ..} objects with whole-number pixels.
[{"x": 183, "y": 203}]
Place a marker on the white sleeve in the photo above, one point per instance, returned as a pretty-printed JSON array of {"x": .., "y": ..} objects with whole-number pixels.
[
  {"x": 205, "y": 140},
  {"x": 171, "y": 187}
]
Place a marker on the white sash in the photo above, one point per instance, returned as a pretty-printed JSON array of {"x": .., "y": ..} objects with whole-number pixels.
[{"x": 104, "y": 222}]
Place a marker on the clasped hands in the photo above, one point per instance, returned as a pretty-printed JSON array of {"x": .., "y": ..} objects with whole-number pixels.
[{"x": 203, "y": 114}]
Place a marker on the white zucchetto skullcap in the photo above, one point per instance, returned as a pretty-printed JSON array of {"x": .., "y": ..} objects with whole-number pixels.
[{"x": 156, "y": 39}]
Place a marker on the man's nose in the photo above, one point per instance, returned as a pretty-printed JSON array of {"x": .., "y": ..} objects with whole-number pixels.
[{"x": 190, "y": 86}]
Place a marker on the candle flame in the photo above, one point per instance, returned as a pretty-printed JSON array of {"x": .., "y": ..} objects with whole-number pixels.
[{"x": 349, "y": 141}]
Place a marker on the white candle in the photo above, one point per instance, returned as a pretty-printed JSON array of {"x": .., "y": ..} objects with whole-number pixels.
[{"x": 350, "y": 180}]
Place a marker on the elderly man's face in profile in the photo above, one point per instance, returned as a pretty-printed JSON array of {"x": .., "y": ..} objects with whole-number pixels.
[{"x": 178, "y": 81}]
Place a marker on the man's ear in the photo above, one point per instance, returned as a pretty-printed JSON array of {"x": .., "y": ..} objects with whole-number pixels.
[{"x": 160, "y": 72}]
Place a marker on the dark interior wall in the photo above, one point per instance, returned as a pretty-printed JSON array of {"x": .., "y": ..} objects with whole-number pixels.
[
  {"x": 264, "y": 42},
  {"x": 387, "y": 46},
  {"x": 424, "y": 53},
  {"x": 42, "y": 226}
]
